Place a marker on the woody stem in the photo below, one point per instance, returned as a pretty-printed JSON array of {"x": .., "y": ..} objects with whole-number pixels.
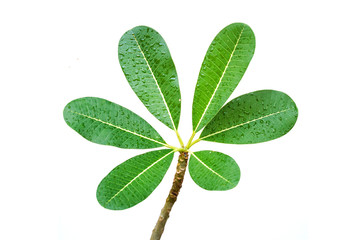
[{"x": 171, "y": 199}]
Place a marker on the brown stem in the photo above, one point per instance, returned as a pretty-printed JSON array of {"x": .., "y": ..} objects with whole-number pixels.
[{"x": 171, "y": 199}]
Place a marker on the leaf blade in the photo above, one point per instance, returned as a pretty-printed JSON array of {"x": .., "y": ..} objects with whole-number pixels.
[
  {"x": 214, "y": 170},
  {"x": 222, "y": 69},
  {"x": 252, "y": 118},
  {"x": 134, "y": 180},
  {"x": 147, "y": 64},
  {"x": 104, "y": 122}
]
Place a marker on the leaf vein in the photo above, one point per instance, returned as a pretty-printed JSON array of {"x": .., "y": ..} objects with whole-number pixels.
[
  {"x": 146, "y": 169},
  {"x": 156, "y": 82},
  {"x": 242, "y": 124},
  {"x": 217, "y": 86},
  {"x": 209, "y": 168},
  {"x": 123, "y": 129}
]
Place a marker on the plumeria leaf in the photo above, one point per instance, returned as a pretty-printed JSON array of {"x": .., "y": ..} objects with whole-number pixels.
[
  {"x": 224, "y": 65},
  {"x": 147, "y": 64},
  {"x": 134, "y": 180},
  {"x": 214, "y": 170},
  {"x": 104, "y": 122},
  {"x": 252, "y": 118}
]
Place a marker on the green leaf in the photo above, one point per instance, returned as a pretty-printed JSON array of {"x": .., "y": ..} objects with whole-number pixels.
[
  {"x": 224, "y": 65},
  {"x": 147, "y": 64},
  {"x": 104, "y": 122},
  {"x": 214, "y": 170},
  {"x": 134, "y": 180},
  {"x": 252, "y": 118}
]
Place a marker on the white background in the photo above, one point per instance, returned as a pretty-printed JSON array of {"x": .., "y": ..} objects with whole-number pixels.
[{"x": 304, "y": 185}]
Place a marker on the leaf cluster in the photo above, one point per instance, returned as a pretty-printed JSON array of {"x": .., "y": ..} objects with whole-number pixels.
[{"x": 148, "y": 67}]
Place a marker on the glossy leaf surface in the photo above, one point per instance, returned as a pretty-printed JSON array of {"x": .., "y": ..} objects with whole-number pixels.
[
  {"x": 224, "y": 65},
  {"x": 104, "y": 122},
  {"x": 214, "y": 170},
  {"x": 252, "y": 118},
  {"x": 134, "y": 180},
  {"x": 147, "y": 64}
]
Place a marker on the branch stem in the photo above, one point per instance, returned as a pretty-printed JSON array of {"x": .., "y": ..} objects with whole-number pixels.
[{"x": 171, "y": 199}]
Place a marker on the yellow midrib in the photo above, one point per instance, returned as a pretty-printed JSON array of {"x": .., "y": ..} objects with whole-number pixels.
[
  {"x": 209, "y": 168},
  {"x": 156, "y": 82},
  {"x": 112, "y": 125},
  {"x": 222, "y": 76},
  {"x": 137, "y": 176},
  {"x": 242, "y": 124}
]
